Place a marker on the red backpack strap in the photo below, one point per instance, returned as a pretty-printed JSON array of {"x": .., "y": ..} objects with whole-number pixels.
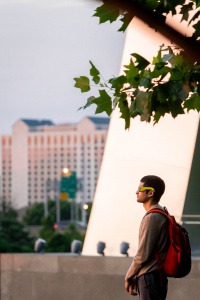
[
  {"x": 159, "y": 210},
  {"x": 157, "y": 256}
]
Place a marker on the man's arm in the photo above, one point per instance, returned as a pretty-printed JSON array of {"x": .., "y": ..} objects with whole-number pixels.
[{"x": 148, "y": 237}]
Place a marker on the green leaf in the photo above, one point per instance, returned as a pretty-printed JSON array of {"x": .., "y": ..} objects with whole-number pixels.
[
  {"x": 176, "y": 108},
  {"x": 160, "y": 72},
  {"x": 176, "y": 91},
  {"x": 160, "y": 110},
  {"x": 170, "y": 91},
  {"x": 141, "y": 63},
  {"x": 103, "y": 103},
  {"x": 194, "y": 17},
  {"x": 107, "y": 13},
  {"x": 157, "y": 59},
  {"x": 126, "y": 19},
  {"x": 146, "y": 82},
  {"x": 132, "y": 74},
  {"x": 117, "y": 83},
  {"x": 197, "y": 30},
  {"x": 161, "y": 94},
  {"x": 152, "y": 4},
  {"x": 176, "y": 74},
  {"x": 141, "y": 105},
  {"x": 193, "y": 102},
  {"x": 83, "y": 83},
  {"x": 185, "y": 9},
  {"x": 115, "y": 102},
  {"x": 178, "y": 59},
  {"x": 157, "y": 117},
  {"x": 94, "y": 73},
  {"x": 124, "y": 109},
  {"x": 89, "y": 102},
  {"x": 160, "y": 65},
  {"x": 146, "y": 79}
]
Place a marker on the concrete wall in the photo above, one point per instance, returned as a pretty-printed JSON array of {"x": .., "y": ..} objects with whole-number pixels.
[{"x": 63, "y": 277}]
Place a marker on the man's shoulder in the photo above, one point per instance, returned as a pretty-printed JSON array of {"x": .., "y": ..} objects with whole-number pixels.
[
  {"x": 158, "y": 207},
  {"x": 157, "y": 214}
]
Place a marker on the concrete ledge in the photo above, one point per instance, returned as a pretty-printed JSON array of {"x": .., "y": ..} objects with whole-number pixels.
[{"x": 59, "y": 276}]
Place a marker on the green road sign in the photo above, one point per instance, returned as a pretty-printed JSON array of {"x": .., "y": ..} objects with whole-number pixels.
[{"x": 68, "y": 185}]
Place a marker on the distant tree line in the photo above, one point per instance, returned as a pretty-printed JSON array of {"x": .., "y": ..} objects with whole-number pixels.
[{"x": 16, "y": 238}]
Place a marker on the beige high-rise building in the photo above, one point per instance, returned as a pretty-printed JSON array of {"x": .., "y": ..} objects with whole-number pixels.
[{"x": 34, "y": 155}]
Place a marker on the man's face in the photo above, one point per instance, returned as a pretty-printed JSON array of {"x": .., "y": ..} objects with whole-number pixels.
[{"x": 142, "y": 197}]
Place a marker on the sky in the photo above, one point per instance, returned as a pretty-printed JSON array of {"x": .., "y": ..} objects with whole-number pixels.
[{"x": 44, "y": 45}]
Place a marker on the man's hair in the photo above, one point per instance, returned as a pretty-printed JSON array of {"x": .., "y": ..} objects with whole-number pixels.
[{"x": 155, "y": 182}]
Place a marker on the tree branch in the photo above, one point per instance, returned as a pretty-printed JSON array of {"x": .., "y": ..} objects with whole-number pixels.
[{"x": 190, "y": 46}]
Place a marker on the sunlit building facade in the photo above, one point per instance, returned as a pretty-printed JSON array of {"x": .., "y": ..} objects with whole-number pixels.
[{"x": 34, "y": 155}]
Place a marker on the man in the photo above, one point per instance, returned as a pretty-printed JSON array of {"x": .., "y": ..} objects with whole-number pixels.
[{"x": 153, "y": 238}]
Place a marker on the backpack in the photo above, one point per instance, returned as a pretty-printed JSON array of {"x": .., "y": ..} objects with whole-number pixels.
[{"x": 177, "y": 262}]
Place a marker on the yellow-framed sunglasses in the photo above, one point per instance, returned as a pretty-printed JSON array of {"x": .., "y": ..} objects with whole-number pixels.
[{"x": 145, "y": 188}]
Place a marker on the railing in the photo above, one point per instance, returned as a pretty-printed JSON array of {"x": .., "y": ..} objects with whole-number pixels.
[{"x": 190, "y": 221}]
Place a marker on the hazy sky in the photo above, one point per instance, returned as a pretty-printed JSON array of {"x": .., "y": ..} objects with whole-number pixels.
[{"x": 44, "y": 45}]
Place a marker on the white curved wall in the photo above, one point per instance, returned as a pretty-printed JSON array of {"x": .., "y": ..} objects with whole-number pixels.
[{"x": 165, "y": 150}]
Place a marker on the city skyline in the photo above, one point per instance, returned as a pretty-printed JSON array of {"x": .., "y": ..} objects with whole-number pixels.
[
  {"x": 45, "y": 44},
  {"x": 36, "y": 151}
]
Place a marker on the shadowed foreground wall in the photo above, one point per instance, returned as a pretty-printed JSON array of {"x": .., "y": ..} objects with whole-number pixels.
[{"x": 63, "y": 277}]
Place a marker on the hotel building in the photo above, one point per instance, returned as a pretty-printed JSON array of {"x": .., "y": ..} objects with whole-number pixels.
[{"x": 34, "y": 155}]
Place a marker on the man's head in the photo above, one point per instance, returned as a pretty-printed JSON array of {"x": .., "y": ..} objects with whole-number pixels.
[{"x": 156, "y": 183}]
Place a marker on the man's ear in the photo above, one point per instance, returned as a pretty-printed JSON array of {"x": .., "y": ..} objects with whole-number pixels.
[{"x": 150, "y": 193}]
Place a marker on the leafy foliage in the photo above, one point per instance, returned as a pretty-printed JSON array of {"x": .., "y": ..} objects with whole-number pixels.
[
  {"x": 35, "y": 214},
  {"x": 56, "y": 241},
  {"x": 168, "y": 84},
  {"x": 61, "y": 242},
  {"x": 13, "y": 237},
  {"x": 107, "y": 13}
]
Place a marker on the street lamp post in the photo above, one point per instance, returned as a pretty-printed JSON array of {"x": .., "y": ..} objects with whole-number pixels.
[
  {"x": 48, "y": 188},
  {"x": 53, "y": 185},
  {"x": 85, "y": 210}
]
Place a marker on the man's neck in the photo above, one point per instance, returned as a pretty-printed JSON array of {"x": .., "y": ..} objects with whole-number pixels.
[{"x": 149, "y": 205}]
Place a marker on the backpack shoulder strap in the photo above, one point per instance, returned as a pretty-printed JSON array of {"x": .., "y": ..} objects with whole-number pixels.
[{"x": 160, "y": 211}]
